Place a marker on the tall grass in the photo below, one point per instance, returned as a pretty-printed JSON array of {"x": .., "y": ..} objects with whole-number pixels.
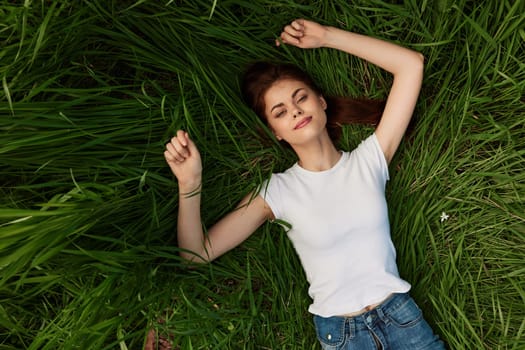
[{"x": 91, "y": 90}]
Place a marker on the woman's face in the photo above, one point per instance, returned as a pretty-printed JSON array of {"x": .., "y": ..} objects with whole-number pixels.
[{"x": 295, "y": 113}]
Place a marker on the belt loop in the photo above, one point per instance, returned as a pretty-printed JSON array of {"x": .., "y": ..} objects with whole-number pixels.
[
  {"x": 351, "y": 327},
  {"x": 382, "y": 315}
]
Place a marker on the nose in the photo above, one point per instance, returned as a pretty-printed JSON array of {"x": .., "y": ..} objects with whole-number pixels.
[{"x": 298, "y": 111}]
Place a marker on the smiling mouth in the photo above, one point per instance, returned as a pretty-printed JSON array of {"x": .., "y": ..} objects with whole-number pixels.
[{"x": 302, "y": 123}]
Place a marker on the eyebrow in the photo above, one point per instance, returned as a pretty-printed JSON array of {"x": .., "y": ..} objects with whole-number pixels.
[{"x": 282, "y": 104}]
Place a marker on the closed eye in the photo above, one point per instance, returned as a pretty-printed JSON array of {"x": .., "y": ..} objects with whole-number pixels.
[
  {"x": 280, "y": 114},
  {"x": 302, "y": 98}
]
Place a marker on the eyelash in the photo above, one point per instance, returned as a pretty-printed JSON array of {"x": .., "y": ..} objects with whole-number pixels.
[{"x": 301, "y": 99}]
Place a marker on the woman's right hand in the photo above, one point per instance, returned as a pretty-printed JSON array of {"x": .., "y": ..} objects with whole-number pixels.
[
  {"x": 303, "y": 34},
  {"x": 184, "y": 160}
]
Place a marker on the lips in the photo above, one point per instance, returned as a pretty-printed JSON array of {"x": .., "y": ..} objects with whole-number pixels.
[{"x": 303, "y": 122}]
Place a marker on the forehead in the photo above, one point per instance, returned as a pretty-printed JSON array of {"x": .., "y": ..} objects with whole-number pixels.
[
  {"x": 286, "y": 84},
  {"x": 282, "y": 90}
]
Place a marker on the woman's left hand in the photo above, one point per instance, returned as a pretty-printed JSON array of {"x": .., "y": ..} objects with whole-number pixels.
[{"x": 303, "y": 34}]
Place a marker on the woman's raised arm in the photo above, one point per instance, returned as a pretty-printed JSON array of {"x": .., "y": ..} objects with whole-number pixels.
[
  {"x": 184, "y": 160},
  {"x": 405, "y": 65}
]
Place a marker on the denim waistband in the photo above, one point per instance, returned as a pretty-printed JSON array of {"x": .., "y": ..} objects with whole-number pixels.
[
  {"x": 391, "y": 304},
  {"x": 397, "y": 320}
]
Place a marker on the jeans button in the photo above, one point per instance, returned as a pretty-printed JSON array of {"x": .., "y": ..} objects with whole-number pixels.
[
  {"x": 329, "y": 336},
  {"x": 369, "y": 319}
]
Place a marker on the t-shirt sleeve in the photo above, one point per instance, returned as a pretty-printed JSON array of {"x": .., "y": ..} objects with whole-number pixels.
[
  {"x": 370, "y": 152},
  {"x": 271, "y": 193}
]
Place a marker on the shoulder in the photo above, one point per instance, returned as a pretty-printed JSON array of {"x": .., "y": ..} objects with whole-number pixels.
[
  {"x": 276, "y": 179},
  {"x": 276, "y": 189},
  {"x": 369, "y": 155},
  {"x": 368, "y": 147}
]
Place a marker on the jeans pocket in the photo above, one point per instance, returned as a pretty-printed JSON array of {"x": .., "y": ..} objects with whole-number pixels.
[
  {"x": 330, "y": 331},
  {"x": 406, "y": 315}
]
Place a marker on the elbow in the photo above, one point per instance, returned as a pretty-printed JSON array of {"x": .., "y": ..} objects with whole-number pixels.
[
  {"x": 412, "y": 65},
  {"x": 194, "y": 258},
  {"x": 416, "y": 66},
  {"x": 419, "y": 61}
]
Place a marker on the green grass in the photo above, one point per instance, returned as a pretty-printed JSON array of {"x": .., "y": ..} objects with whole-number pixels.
[{"x": 91, "y": 90}]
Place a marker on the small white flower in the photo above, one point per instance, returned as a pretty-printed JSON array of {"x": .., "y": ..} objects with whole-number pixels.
[{"x": 444, "y": 216}]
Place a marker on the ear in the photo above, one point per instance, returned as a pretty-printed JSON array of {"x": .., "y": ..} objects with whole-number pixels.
[{"x": 323, "y": 102}]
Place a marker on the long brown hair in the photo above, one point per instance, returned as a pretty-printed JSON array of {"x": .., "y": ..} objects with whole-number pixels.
[{"x": 260, "y": 76}]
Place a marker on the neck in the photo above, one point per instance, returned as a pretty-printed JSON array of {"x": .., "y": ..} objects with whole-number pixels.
[{"x": 318, "y": 155}]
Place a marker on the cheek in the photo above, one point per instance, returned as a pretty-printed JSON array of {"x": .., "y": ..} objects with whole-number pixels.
[
  {"x": 275, "y": 125},
  {"x": 278, "y": 127}
]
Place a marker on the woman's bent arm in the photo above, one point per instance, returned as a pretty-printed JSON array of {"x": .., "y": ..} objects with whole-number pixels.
[
  {"x": 406, "y": 66},
  {"x": 184, "y": 160},
  {"x": 226, "y": 234}
]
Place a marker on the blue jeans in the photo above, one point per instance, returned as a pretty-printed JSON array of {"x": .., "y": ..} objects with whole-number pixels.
[{"x": 397, "y": 323}]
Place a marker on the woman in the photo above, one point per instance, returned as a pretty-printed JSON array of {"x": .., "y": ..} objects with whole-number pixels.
[{"x": 334, "y": 200}]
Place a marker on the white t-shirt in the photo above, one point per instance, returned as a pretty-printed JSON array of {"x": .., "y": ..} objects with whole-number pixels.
[{"x": 340, "y": 229}]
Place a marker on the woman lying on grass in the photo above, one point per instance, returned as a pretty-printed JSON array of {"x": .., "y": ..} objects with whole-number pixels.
[{"x": 334, "y": 200}]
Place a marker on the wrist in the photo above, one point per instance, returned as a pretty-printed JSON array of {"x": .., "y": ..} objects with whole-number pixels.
[
  {"x": 190, "y": 187},
  {"x": 326, "y": 39},
  {"x": 332, "y": 37}
]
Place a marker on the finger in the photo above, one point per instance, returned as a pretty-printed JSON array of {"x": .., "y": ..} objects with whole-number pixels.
[
  {"x": 171, "y": 159},
  {"x": 181, "y": 149},
  {"x": 288, "y": 39},
  {"x": 168, "y": 156},
  {"x": 172, "y": 149},
  {"x": 192, "y": 148},
  {"x": 187, "y": 139},
  {"x": 180, "y": 144},
  {"x": 298, "y": 24},
  {"x": 293, "y": 32},
  {"x": 175, "y": 153},
  {"x": 181, "y": 135}
]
